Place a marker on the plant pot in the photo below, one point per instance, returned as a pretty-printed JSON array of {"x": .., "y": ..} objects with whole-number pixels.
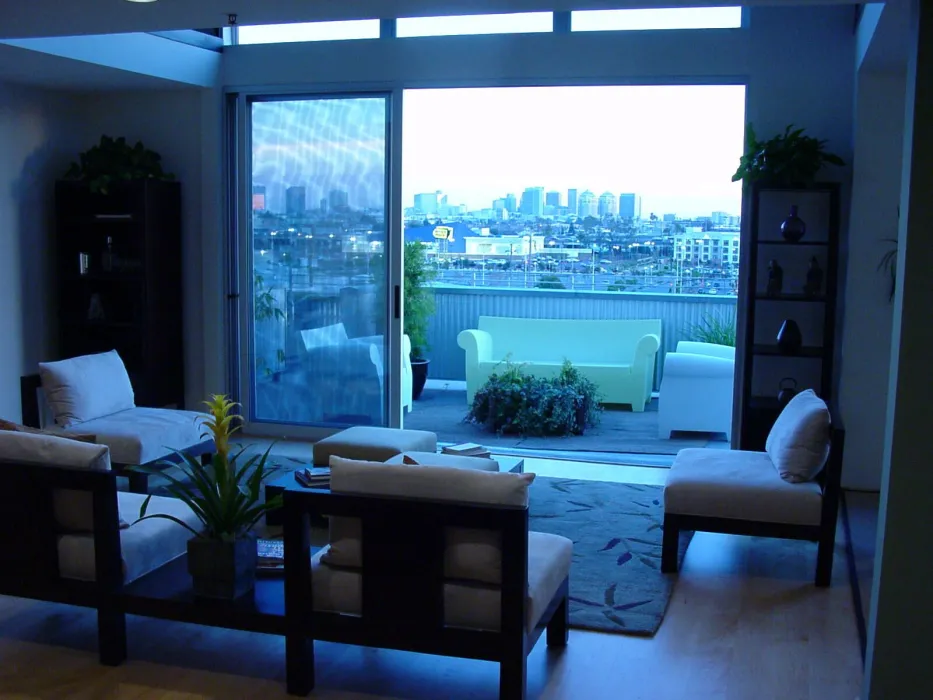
[
  {"x": 224, "y": 570},
  {"x": 419, "y": 375}
]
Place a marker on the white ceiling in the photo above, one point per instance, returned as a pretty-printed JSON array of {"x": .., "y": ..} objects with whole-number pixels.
[
  {"x": 40, "y": 18},
  {"x": 54, "y": 72}
]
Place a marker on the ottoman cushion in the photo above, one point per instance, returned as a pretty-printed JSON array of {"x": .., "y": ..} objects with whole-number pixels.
[
  {"x": 738, "y": 485},
  {"x": 432, "y": 459},
  {"x": 372, "y": 444}
]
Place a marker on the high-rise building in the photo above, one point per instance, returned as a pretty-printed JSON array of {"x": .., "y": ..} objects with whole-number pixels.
[
  {"x": 670, "y": 218},
  {"x": 552, "y": 199},
  {"x": 607, "y": 204},
  {"x": 627, "y": 206},
  {"x": 295, "y": 201},
  {"x": 498, "y": 205},
  {"x": 339, "y": 200},
  {"x": 533, "y": 201},
  {"x": 587, "y": 204},
  {"x": 572, "y": 202},
  {"x": 259, "y": 197},
  {"x": 426, "y": 203},
  {"x": 323, "y": 204},
  {"x": 511, "y": 203}
]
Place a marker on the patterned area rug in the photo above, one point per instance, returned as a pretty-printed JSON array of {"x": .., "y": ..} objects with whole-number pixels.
[{"x": 616, "y": 584}]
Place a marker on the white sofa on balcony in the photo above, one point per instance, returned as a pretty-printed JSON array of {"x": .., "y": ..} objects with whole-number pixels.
[
  {"x": 696, "y": 389},
  {"x": 618, "y": 355}
]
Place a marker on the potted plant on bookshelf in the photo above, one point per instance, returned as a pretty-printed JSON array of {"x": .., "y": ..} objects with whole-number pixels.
[
  {"x": 418, "y": 309},
  {"x": 114, "y": 160},
  {"x": 791, "y": 159},
  {"x": 226, "y": 496}
]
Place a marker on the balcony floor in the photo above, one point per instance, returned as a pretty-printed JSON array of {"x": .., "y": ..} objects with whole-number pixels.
[{"x": 622, "y": 431}]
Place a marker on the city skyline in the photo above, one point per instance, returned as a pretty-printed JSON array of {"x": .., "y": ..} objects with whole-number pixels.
[{"x": 675, "y": 146}]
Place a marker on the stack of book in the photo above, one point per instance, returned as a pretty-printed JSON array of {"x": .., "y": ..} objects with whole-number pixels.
[
  {"x": 270, "y": 557},
  {"x": 467, "y": 449},
  {"x": 313, "y": 477}
]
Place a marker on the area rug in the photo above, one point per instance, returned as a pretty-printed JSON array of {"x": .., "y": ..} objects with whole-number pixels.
[{"x": 616, "y": 584}]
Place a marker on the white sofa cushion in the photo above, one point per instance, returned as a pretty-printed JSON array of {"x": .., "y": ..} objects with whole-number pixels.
[
  {"x": 324, "y": 336},
  {"x": 145, "y": 546},
  {"x": 471, "y": 554},
  {"x": 738, "y": 485},
  {"x": 372, "y": 443},
  {"x": 73, "y": 509},
  {"x": 798, "y": 443},
  {"x": 86, "y": 387},
  {"x": 473, "y": 606},
  {"x": 142, "y": 435}
]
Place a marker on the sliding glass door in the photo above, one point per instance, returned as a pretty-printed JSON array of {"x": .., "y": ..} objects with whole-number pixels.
[{"x": 315, "y": 259}]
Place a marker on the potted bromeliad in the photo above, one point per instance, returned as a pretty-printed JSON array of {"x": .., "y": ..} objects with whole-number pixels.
[
  {"x": 226, "y": 496},
  {"x": 419, "y": 307}
]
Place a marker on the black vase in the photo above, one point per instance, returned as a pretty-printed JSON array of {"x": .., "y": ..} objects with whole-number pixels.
[
  {"x": 419, "y": 376},
  {"x": 793, "y": 228},
  {"x": 789, "y": 338},
  {"x": 221, "y": 569}
]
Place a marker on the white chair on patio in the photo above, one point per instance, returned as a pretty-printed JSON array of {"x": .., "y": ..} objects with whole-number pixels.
[{"x": 696, "y": 389}]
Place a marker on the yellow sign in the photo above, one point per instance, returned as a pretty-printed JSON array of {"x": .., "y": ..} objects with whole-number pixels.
[{"x": 444, "y": 233}]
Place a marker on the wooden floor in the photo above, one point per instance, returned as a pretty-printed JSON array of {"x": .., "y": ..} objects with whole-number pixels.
[
  {"x": 745, "y": 622},
  {"x": 622, "y": 431}
]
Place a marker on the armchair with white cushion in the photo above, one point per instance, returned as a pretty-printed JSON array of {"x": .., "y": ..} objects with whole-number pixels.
[
  {"x": 696, "y": 389},
  {"x": 93, "y": 395}
]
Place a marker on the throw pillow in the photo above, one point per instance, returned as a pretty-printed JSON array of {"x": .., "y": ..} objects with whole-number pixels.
[
  {"x": 798, "y": 443},
  {"x": 18, "y": 428},
  {"x": 86, "y": 387},
  {"x": 471, "y": 554}
]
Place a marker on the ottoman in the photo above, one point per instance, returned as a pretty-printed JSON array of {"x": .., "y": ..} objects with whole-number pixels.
[
  {"x": 372, "y": 444},
  {"x": 432, "y": 459}
]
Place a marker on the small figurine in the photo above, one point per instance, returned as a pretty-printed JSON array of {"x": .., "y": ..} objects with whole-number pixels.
[
  {"x": 814, "y": 278},
  {"x": 775, "y": 279},
  {"x": 95, "y": 311}
]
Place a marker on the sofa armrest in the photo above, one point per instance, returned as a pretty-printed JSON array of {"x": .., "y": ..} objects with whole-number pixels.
[
  {"x": 647, "y": 346},
  {"x": 682, "y": 364},
  {"x": 709, "y": 349},
  {"x": 478, "y": 345}
]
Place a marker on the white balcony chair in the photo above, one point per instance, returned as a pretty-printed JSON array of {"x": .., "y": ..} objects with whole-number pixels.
[{"x": 696, "y": 389}]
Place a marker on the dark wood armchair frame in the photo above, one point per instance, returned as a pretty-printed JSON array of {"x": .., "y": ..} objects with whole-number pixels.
[
  {"x": 29, "y": 546},
  {"x": 824, "y": 533},
  {"x": 403, "y": 583},
  {"x": 138, "y": 483}
]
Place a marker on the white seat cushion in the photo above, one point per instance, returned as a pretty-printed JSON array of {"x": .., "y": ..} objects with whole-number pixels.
[
  {"x": 86, "y": 387},
  {"x": 474, "y": 606},
  {"x": 141, "y": 435},
  {"x": 738, "y": 485},
  {"x": 432, "y": 459},
  {"x": 798, "y": 443},
  {"x": 146, "y": 546},
  {"x": 372, "y": 444}
]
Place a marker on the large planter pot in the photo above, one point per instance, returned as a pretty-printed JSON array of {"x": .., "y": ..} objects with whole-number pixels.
[
  {"x": 220, "y": 569},
  {"x": 419, "y": 375}
]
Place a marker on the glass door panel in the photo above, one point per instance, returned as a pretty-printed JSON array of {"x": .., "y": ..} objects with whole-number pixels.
[{"x": 317, "y": 261}]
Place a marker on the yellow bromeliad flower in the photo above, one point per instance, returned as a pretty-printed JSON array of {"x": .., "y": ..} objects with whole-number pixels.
[{"x": 219, "y": 423}]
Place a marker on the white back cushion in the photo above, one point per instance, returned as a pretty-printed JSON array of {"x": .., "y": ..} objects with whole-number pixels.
[
  {"x": 471, "y": 554},
  {"x": 324, "y": 336},
  {"x": 73, "y": 509},
  {"x": 798, "y": 443},
  {"x": 86, "y": 387}
]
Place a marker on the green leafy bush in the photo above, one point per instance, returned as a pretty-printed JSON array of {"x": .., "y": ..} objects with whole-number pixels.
[
  {"x": 512, "y": 402},
  {"x": 418, "y": 296},
  {"x": 550, "y": 282},
  {"x": 719, "y": 330}
]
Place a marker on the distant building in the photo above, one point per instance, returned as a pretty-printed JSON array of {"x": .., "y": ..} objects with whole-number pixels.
[
  {"x": 511, "y": 204},
  {"x": 552, "y": 199},
  {"x": 670, "y": 218},
  {"x": 533, "y": 201},
  {"x": 712, "y": 247},
  {"x": 323, "y": 204},
  {"x": 499, "y": 204},
  {"x": 627, "y": 206},
  {"x": 587, "y": 204},
  {"x": 719, "y": 218},
  {"x": 259, "y": 197},
  {"x": 572, "y": 202},
  {"x": 426, "y": 203},
  {"x": 339, "y": 200},
  {"x": 607, "y": 204},
  {"x": 295, "y": 201}
]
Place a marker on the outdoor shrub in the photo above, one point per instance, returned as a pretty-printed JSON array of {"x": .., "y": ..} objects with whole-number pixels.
[
  {"x": 550, "y": 282},
  {"x": 512, "y": 402},
  {"x": 719, "y": 330}
]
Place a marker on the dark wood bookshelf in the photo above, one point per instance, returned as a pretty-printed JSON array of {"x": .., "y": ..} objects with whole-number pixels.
[{"x": 131, "y": 303}]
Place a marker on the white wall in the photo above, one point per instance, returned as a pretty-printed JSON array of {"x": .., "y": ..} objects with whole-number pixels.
[
  {"x": 866, "y": 342},
  {"x": 36, "y": 146},
  {"x": 168, "y": 122}
]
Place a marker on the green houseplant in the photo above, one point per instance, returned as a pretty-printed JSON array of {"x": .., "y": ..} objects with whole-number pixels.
[
  {"x": 789, "y": 159},
  {"x": 419, "y": 306},
  {"x": 114, "y": 160},
  {"x": 719, "y": 330},
  {"x": 226, "y": 496}
]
